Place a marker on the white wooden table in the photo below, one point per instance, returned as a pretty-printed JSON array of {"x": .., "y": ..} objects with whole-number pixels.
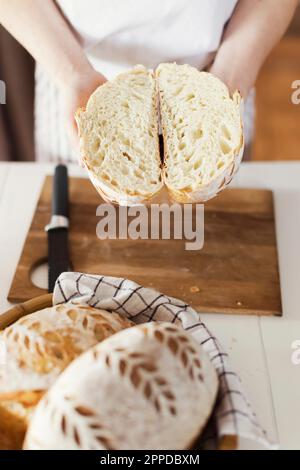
[{"x": 260, "y": 348}]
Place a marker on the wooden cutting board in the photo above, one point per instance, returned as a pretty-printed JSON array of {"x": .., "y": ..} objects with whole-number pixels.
[{"x": 235, "y": 272}]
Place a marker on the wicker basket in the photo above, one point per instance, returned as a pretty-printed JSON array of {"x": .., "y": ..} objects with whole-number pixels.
[
  {"x": 38, "y": 303},
  {"x": 18, "y": 311}
]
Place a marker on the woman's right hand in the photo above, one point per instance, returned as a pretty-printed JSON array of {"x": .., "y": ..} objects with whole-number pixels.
[{"x": 77, "y": 93}]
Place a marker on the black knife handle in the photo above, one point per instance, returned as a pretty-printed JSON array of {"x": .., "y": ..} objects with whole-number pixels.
[{"x": 60, "y": 200}]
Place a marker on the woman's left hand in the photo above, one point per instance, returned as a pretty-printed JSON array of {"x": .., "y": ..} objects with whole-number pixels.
[
  {"x": 251, "y": 33},
  {"x": 240, "y": 80}
]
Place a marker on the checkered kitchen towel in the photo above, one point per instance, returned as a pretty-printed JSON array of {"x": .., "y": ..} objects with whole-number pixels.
[{"x": 233, "y": 415}]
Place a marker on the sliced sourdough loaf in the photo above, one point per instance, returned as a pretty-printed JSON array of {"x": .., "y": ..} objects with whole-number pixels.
[
  {"x": 119, "y": 138},
  {"x": 202, "y": 130},
  {"x": 149, "y": 387},
  {"x": 39, "y": 347}
]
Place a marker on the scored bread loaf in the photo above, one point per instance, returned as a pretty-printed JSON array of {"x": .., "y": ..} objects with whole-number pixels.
[
  {"x": 202, "y": 131},
  {"x": 38, "y": 348},
  {"x": 119, "y": 138},
  {"x": 149, "y": 387}
]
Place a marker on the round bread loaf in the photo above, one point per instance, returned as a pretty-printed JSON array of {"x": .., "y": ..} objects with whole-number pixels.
[
  {"x": 202, "y": 132},
  {"x": 149, "y": 387},
  {"x": 38, "y": 348}
]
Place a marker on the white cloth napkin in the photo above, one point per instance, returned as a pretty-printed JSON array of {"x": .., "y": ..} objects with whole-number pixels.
[{"x": 232, "y": 415}]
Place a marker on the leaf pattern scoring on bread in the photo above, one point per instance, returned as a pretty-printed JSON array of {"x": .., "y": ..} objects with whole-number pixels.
[
  {"x": 138, "y": 383},
  {"x": 42, "y": 346}
]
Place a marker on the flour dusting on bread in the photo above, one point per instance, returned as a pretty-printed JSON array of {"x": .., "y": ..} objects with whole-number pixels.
[
  {"x": 149, "y": 387},
  {"x": 39, "y": 347}
]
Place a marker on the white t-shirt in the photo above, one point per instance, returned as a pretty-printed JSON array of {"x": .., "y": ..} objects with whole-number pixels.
[{"x": 118, "y": 34}]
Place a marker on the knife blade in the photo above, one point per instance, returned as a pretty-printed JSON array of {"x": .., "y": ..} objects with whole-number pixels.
[{"x": 58, "y": 252}]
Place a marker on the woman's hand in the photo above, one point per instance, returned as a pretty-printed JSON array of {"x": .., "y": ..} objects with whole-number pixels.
[
  {"x": 251, "y": 33},
  {"x": 239, "y": 80},
  {"x": 77, "y": 93}
]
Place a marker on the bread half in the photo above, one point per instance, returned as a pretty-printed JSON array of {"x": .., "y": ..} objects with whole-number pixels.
[
  {"x": 202, "y": 130},
  {"x": 119, "y": 138}
]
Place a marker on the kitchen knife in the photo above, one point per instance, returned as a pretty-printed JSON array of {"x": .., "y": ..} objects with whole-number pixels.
[{"x": 58, "y": 253}]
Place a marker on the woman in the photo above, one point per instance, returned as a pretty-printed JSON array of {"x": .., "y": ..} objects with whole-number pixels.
[{"x": 78, "y": 45}]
